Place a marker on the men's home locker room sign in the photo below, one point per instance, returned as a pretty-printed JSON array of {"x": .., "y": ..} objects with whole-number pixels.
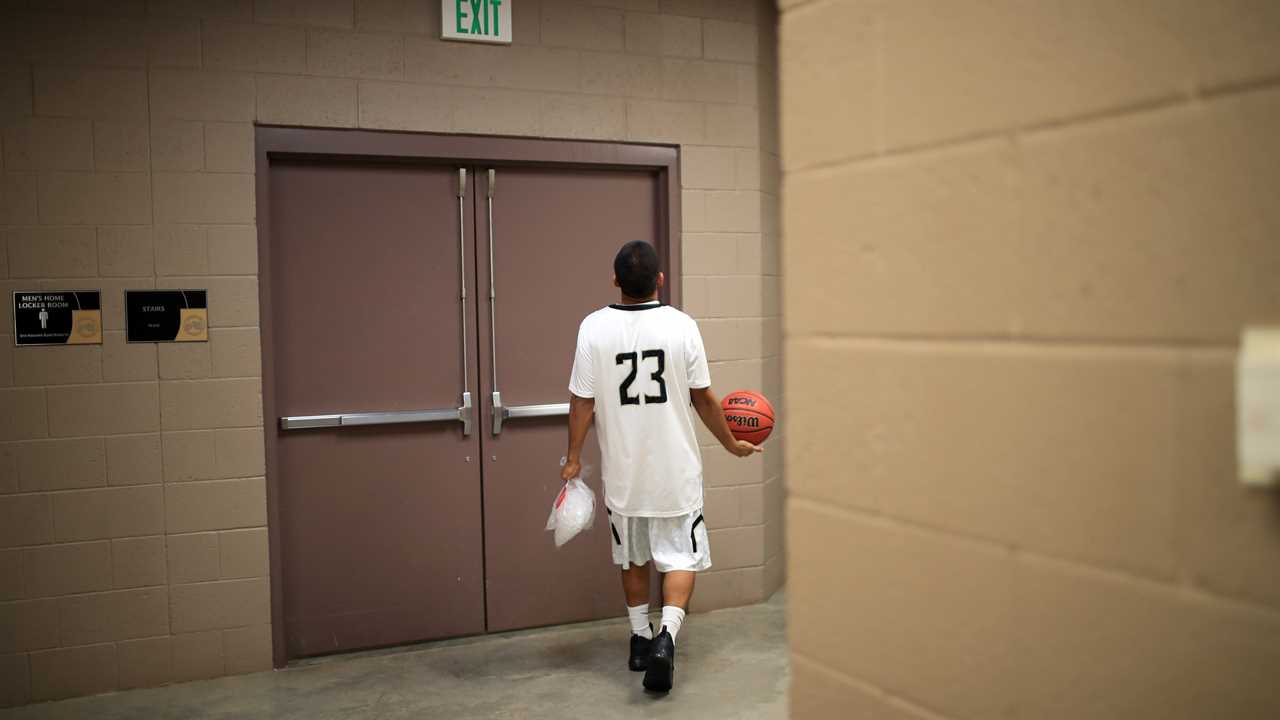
[
  {"x": 166, "y": 315},
  {"x": 486, "y": 21},
  {"x": 59, "y": 317}
]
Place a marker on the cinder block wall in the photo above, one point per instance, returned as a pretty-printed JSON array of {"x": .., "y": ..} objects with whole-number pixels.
[
  {"x": 1021, "y": 241},
  {"x": 132, "y": 509}
]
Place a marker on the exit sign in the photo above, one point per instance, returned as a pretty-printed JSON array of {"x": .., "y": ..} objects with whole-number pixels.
[{"x": 487, "y": 21}]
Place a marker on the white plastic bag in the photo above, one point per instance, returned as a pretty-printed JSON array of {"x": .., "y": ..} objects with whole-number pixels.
[{"x": 573, "y": 511}]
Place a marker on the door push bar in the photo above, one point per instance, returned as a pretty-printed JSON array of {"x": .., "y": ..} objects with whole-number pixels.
[
  {"x": 501, "y": 413},
  {"x": 464, "y": 412},
  {"x": 495, "y": 397},
  {"x": 399, "y": 417}
]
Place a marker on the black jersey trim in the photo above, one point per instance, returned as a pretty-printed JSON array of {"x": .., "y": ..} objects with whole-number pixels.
[{"x": 634, "y": 308}]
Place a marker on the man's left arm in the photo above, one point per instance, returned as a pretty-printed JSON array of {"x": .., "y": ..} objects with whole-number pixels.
[
  {"x": 708, "y": 407},
  {"x": 705, "y": 401}
]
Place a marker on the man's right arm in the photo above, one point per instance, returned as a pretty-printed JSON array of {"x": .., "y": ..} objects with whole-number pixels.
[
  {"x": 582, "y": 404},
  {"x": 581, "y": 412}
]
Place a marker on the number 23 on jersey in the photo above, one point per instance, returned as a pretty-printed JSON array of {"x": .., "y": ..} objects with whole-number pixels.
[{"x": 655, "y": 359}]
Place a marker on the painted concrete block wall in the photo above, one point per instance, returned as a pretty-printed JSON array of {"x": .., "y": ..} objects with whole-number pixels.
[
  {"x": 132, "y": 509},
  {"x": 1021, "y": 242}
]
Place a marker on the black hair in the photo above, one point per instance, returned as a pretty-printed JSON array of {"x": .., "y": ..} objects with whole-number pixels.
[{"x": 636, "y": 267}]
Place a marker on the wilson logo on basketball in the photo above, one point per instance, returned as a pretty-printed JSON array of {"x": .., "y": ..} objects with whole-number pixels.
[{"x": 749, "y": 415}]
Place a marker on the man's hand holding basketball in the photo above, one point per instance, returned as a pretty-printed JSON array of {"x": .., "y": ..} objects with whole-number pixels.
[{"x": 742, "y": 448}]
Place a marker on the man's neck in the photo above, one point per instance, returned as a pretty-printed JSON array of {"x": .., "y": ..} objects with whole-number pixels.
[{"x": 636, "y": 301}]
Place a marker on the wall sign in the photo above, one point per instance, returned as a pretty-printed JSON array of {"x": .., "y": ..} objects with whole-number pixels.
[
  {"x": 487, "y": 21},
  {"x": 1258, "y": 406},
  {"x": 61, "y": 317},
  {"x": 166, "y": 315}
]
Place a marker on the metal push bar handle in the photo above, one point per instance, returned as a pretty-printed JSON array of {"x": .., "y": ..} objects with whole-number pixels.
[
  {"x": 495, "y": 397},
  {"x": 400, "y": 417},
  {"x": 527, "y": 411},
  {"x": 465, "y": 410}
]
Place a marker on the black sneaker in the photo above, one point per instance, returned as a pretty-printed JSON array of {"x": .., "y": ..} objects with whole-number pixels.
[
  {"x": 661, "y": 673},
  {"x": 639, "y": 659}
]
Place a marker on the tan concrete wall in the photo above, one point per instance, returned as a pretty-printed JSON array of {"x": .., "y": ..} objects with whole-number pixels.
[
  {"x": 132, "y": 508},
  {"x": 1021, "y": 241}
]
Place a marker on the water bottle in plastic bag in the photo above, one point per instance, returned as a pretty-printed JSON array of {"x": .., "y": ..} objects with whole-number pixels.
[{"x": 573, "y": 510}]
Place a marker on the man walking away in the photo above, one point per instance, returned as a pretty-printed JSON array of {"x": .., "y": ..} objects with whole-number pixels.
[{"x": 641, "y": 368}]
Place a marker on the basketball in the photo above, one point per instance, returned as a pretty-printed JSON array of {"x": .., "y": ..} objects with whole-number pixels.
[{"x": 750, "y": 416}]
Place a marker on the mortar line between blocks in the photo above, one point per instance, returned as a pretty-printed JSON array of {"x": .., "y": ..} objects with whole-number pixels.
[
  {"x": 869, "y": 688},
  {"x": 832, "y": 340},
  {"x": 1172, "y": 584},
  {"x": 1174, "y": 99}
]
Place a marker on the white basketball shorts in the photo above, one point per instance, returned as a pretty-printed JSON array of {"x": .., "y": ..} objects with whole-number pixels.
[{"x": 674, "y": 543}]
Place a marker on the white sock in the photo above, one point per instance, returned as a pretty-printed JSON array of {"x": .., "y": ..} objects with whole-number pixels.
[
  {"x": 639, "y": 616},
  {"x": 672, "y": 619}
]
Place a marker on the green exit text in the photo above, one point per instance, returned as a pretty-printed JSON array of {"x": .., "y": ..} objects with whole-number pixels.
[{"x": 483, "y": 19}]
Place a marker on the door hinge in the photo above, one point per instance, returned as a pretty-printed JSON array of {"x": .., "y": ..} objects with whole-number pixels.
[
  {"x": 462, "y": 182},
  {"x": 493, "y": 180}
]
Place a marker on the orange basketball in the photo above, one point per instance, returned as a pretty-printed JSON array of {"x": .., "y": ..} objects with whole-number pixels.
[{"x": 750, "y": 416}]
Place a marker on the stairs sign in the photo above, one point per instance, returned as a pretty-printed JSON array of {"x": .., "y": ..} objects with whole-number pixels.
[{"x": 487, "y": 21}]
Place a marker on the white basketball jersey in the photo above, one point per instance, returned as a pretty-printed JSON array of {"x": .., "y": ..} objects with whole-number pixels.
[{"x": 639, "y": 363}]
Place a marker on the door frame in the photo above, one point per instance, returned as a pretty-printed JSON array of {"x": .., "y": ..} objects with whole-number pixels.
[{"x": 275, "y": 142}]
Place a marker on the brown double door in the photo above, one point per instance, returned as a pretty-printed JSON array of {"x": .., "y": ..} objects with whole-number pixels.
[{"x": 406, "y": 512}]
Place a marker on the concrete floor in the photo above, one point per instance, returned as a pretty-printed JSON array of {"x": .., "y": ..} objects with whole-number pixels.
[{"x": 731, "y": 664}]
